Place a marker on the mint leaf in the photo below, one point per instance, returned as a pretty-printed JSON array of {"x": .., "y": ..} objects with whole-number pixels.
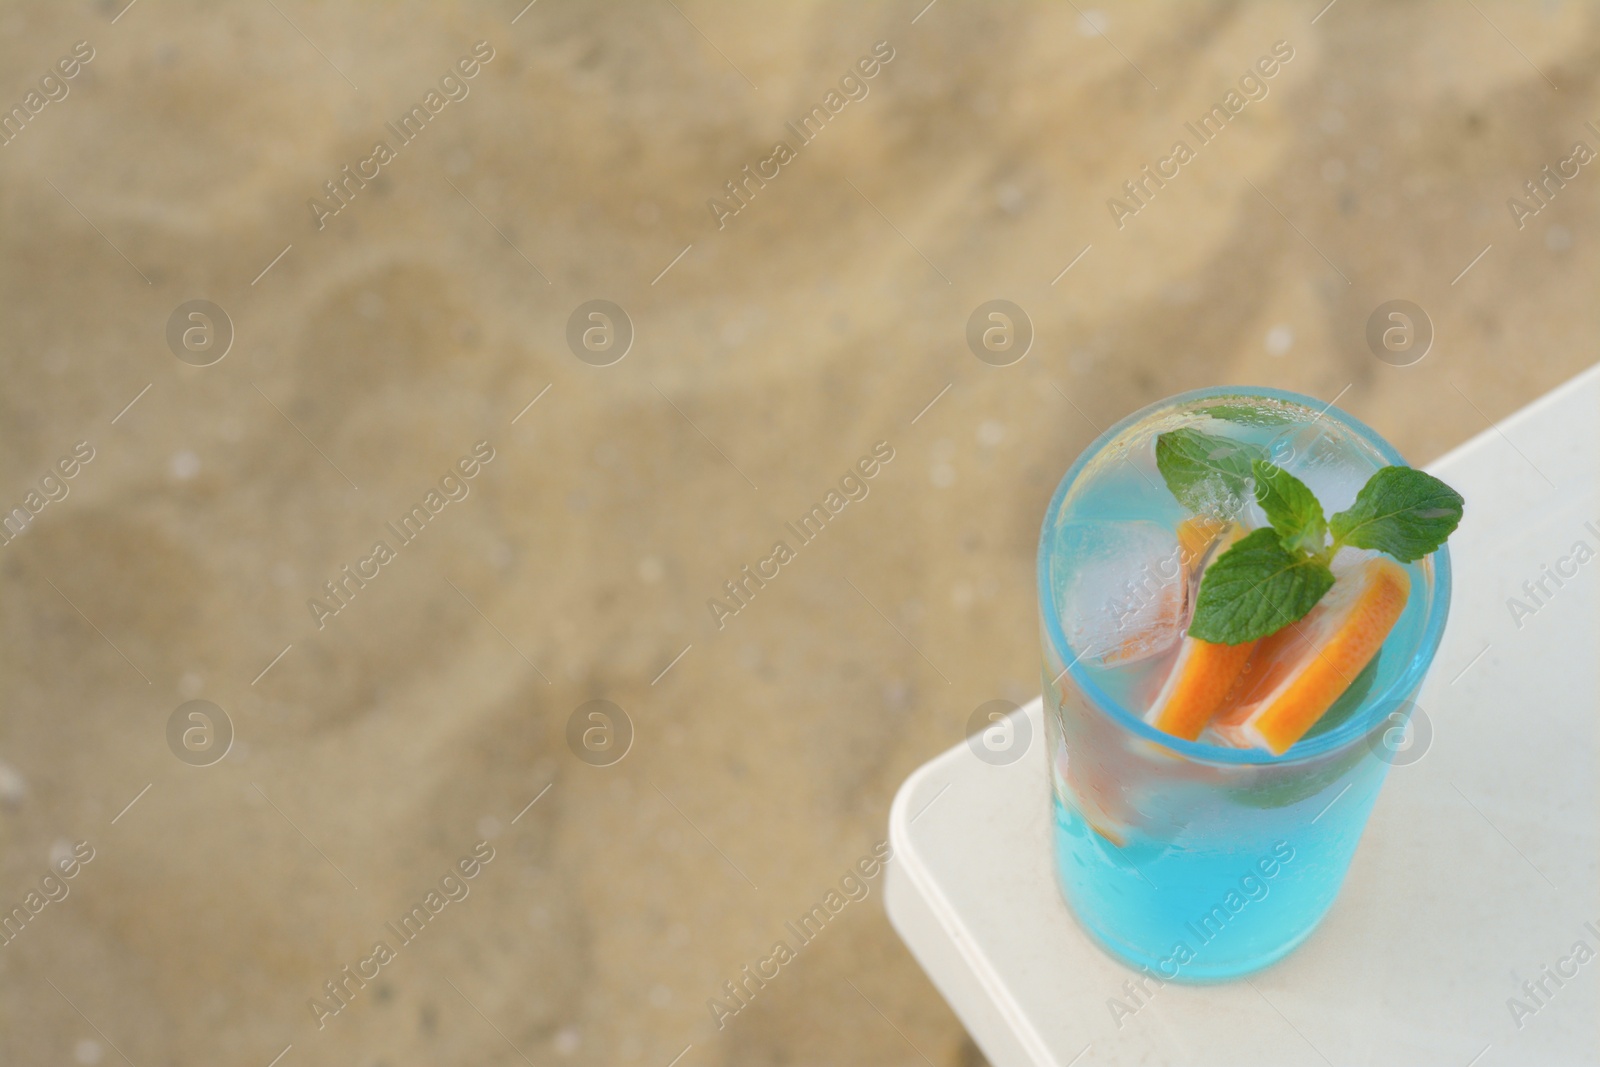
[
  {"x": 1291, "y": 507},
  {"x": 1208, "y": 474},
  {"x": 1283, "y": 786},
  {"x": 1401, "y": 511},
  {"x": 1244, "y": 413},
  {"x": 1255, "y": 588}
]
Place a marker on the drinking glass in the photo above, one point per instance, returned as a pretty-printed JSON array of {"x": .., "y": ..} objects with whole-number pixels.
[{"x": 1187, "y": 859}]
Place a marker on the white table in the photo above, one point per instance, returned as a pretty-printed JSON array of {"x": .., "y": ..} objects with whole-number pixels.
[{"x": 1478, "y": 869}]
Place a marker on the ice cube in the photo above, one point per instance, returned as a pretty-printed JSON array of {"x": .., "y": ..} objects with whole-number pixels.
[
  {"x": 1121, "y": 589},
  {"x": 1320, "y": 456}
]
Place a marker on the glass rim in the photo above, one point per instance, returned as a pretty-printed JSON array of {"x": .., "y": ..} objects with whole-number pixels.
[{"x": 1397, "y": 691}]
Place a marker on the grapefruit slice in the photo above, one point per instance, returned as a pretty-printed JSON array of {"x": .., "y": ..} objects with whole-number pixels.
[
  {"x": 1302, "y": 669},
  {"x": 1203, "y": 673}
]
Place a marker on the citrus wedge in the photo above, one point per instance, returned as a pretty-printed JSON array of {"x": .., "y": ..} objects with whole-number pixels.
[
  {"x": 1302, "y": 669},
  {"x": 1203, "y": 673},
  {"x": 1202, "y": 676},
  {"x": 1197, "y": 536}
]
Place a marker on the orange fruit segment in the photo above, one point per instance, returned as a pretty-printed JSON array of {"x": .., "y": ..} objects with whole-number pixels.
[
  {"x": 1303, "y": 668},
  {"x": 1196, "y": 535},
  {"x": 1201, "y": 678},
  {"x": 1203, "y": 673},
  {"x": 1114, "y": 836}
]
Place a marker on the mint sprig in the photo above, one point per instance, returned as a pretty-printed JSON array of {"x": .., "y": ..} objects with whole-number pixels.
[{"x": 1275, "y": 575}]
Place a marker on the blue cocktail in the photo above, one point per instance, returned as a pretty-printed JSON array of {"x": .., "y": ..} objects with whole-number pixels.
[{"x": 1206, "y": 858}]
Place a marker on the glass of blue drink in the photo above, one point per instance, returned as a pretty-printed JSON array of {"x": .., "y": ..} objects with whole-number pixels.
[{"x": 1208, "y": 798}]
